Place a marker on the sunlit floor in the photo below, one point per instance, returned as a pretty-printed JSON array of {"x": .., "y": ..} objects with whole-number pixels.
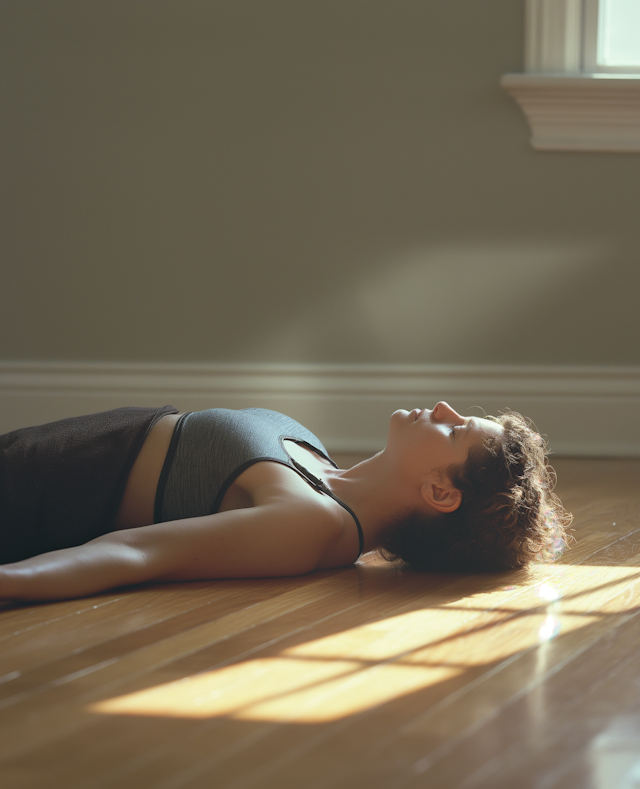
[{"x": 370, "y": 676}]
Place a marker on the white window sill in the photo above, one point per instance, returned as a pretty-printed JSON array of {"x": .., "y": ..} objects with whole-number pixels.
[{"x": 579, "y": 112}]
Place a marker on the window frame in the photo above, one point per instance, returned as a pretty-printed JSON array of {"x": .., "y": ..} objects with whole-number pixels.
[{"x": 570, "y": 107}]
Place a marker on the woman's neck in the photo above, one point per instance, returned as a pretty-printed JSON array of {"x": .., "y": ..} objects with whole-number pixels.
[{"x": 374, "y": 494}]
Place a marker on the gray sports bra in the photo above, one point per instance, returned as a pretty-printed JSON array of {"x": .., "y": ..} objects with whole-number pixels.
[{"x": 210, "y": 449}]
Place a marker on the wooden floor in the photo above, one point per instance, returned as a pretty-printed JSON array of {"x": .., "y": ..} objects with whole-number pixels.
[{"x": 368, "y": 676}]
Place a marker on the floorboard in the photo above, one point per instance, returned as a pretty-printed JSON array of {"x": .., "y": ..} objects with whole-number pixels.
[{"x": 370, "y": 674}]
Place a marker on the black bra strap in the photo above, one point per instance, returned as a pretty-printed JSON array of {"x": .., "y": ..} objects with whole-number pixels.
[
  {"x": 166, "y": 468},
  {"x": 318, "y": 484}
]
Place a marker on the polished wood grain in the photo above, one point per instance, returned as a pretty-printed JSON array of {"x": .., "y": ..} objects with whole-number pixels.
[{"x": 372, "y": 675}]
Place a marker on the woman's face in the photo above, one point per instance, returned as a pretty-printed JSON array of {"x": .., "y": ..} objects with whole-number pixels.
[{"x": 425, "y": 440}]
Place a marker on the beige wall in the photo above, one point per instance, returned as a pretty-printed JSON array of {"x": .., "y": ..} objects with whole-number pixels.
[{"x": 287, "y": 181}]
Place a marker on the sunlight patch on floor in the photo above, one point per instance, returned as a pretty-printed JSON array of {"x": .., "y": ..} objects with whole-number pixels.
[{"x": 361, "y": 668}]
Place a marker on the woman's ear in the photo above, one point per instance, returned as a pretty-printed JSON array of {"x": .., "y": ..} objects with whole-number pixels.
[{"x": 442, "y": 496}]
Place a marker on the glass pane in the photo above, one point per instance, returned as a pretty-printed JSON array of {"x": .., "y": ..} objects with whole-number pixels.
[{"x": 619, "y": 33}]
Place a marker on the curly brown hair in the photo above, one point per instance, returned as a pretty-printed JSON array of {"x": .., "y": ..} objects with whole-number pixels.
[{"x": 508, "y": 515}]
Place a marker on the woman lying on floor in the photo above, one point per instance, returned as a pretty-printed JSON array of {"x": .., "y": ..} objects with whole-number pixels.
[{"x": 145, "y": 494}]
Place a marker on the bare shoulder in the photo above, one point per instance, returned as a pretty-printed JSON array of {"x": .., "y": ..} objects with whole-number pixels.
[
  {"x": 269, "y": 482},
  {"x": 279, "y": 490}
]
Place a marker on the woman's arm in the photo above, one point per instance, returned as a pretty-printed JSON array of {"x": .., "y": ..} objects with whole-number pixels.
[
  {"x": 94, "y": 567},
  {"x": 264, "y": 541}
]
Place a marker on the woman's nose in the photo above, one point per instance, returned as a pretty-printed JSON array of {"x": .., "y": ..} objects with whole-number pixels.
[{"x": 443, "y": 411}]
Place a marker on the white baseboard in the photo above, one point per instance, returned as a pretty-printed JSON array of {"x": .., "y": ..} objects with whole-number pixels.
[{"x": 585, "y": 411}]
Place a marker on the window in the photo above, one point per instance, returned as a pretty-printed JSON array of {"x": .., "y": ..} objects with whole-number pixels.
[
  {"x": 581, "y": 88},
  {"x": 611, "y": 36}
]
